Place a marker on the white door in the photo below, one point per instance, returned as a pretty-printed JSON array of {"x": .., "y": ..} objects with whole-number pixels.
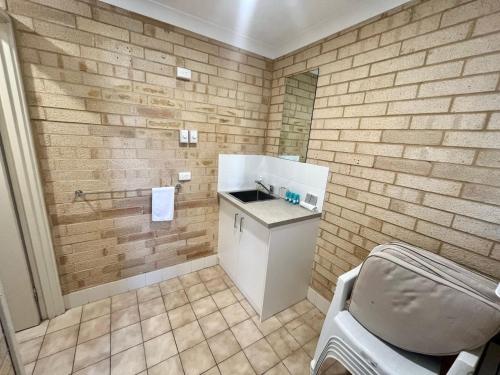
[
  {"x": 228, "y": 246},
  {"x": 253, "y": 255},
  {"x": 14, "y": 271}
]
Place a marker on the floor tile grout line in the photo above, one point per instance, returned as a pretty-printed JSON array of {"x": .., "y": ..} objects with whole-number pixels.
[
  {"x": 77, "y": 344},
  {"x": 79, "y": 329},
  {"x": 41, "y": 345},
  {"x": 206, "y": 338},
  {"x": 39, "y": 350},
  {"x": 241, "y": 348},
  {"x": 33, "y": 338},
  {"x": 203, "y": 333},
  {"x": 197, "y": 319},
  {"x": 77, "y": 337},
  {"x": 142, "y": 339},
  {"x": 110, "y": 332},
  {"x": 59, "y": 351},
  {"x": 78, "y": 334},
  {"x": 170, "y": 331},
  {"x": 229, "y": 328},
  {"x": 263, "y": 338},
  {"x": 110, "y": 315}
]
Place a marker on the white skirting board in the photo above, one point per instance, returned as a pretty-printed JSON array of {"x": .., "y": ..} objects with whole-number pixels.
[
  {"x": 318, "y": 300},
  {"x": 81, "y": 297},
  {"x": 96, "y": 293}
]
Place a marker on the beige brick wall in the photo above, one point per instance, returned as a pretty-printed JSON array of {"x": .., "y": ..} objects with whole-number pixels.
[
  {"x": 407, "y": 118},
  {"x": 300, "y": 90},
  {"x": 106, "y": 109}
]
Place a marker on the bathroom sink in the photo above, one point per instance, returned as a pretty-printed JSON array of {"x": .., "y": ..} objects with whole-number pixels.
[{"x": 251, "y": 196}]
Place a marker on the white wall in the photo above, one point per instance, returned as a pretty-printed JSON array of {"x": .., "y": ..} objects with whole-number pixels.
[{"x": 239, "y": 172}]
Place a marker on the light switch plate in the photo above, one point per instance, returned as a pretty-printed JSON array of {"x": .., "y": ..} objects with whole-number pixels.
[
  {"x": 184, "y": 136},
  {"x": 183, "y": 73},
  {"x": 184, "y": 176},
  {"x": 193, "y": 136}
]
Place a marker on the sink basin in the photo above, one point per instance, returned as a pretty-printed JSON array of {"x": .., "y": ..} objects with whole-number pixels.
[{"x": 251, "y": 196}]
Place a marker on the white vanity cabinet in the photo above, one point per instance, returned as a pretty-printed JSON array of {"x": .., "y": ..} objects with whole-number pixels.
[{"x": 271, "y": 266}]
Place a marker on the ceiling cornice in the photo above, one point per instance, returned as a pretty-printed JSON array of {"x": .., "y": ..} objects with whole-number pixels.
[
  {"x": 345, "y": 18},
  {"x": 164, "y": 13}
]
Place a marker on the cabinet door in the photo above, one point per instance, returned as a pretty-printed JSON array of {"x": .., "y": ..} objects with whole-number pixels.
[
  {"x": 253, "y": 254},
  {"x": 228, "y": 229}
]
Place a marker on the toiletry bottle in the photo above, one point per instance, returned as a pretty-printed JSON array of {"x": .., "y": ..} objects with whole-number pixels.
[{"x": 282, "y": 192}]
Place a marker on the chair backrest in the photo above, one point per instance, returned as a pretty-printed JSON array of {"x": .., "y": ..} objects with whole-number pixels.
[{"x": 336, "y": 324}]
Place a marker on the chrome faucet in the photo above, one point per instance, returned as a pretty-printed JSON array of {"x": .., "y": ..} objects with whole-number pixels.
[{"x": 269, "y": 190}]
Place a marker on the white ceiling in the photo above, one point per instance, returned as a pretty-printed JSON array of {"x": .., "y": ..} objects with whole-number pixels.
[{"x": 270, "y": 28}]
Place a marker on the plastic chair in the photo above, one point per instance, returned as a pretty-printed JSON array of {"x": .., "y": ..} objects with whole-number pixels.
[{"x": 362, "y": 353}]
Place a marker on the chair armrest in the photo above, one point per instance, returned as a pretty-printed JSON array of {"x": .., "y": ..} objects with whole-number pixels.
[
  {"x": 466, "y": 362},
  {"x": 343, "y": 291}
]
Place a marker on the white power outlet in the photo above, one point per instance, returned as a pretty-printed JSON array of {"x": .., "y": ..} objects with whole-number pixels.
[
  {"x": 183, "y": 73},
  {"x": 184, "y": 176}
]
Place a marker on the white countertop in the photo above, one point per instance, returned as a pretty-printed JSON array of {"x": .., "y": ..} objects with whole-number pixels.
[{"x": 272, "y": 213}]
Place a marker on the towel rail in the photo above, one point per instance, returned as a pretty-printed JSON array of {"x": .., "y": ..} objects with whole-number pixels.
[{"x": 82, "y": 194}]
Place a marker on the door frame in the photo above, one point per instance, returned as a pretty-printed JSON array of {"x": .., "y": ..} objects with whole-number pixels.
[{"x": 22, "y": 164}]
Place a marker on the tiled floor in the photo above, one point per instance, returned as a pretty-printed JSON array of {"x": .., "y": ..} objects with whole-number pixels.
[{"x": 195, "y": 324}]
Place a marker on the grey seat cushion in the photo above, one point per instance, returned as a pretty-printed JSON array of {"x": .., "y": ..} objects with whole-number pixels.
[{"x": 424, "y": 303}]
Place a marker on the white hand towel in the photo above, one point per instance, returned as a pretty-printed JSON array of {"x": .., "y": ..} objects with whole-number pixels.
[{"x": 163, "y": 203}]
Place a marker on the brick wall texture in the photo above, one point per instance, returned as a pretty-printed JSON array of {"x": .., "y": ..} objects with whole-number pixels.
[
  {"x": 106, "y": 109},
  {"x": 298, "y": 105},
  {"x": 407, "y": 118}
]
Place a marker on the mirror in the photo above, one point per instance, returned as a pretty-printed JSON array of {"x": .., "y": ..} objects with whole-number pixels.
[{"x": 298, "y": 104}]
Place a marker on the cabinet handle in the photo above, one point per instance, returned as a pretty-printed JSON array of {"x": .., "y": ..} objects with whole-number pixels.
[
  {"x": 235, "y": 217},
  {"x": 241, "y": 222}
]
